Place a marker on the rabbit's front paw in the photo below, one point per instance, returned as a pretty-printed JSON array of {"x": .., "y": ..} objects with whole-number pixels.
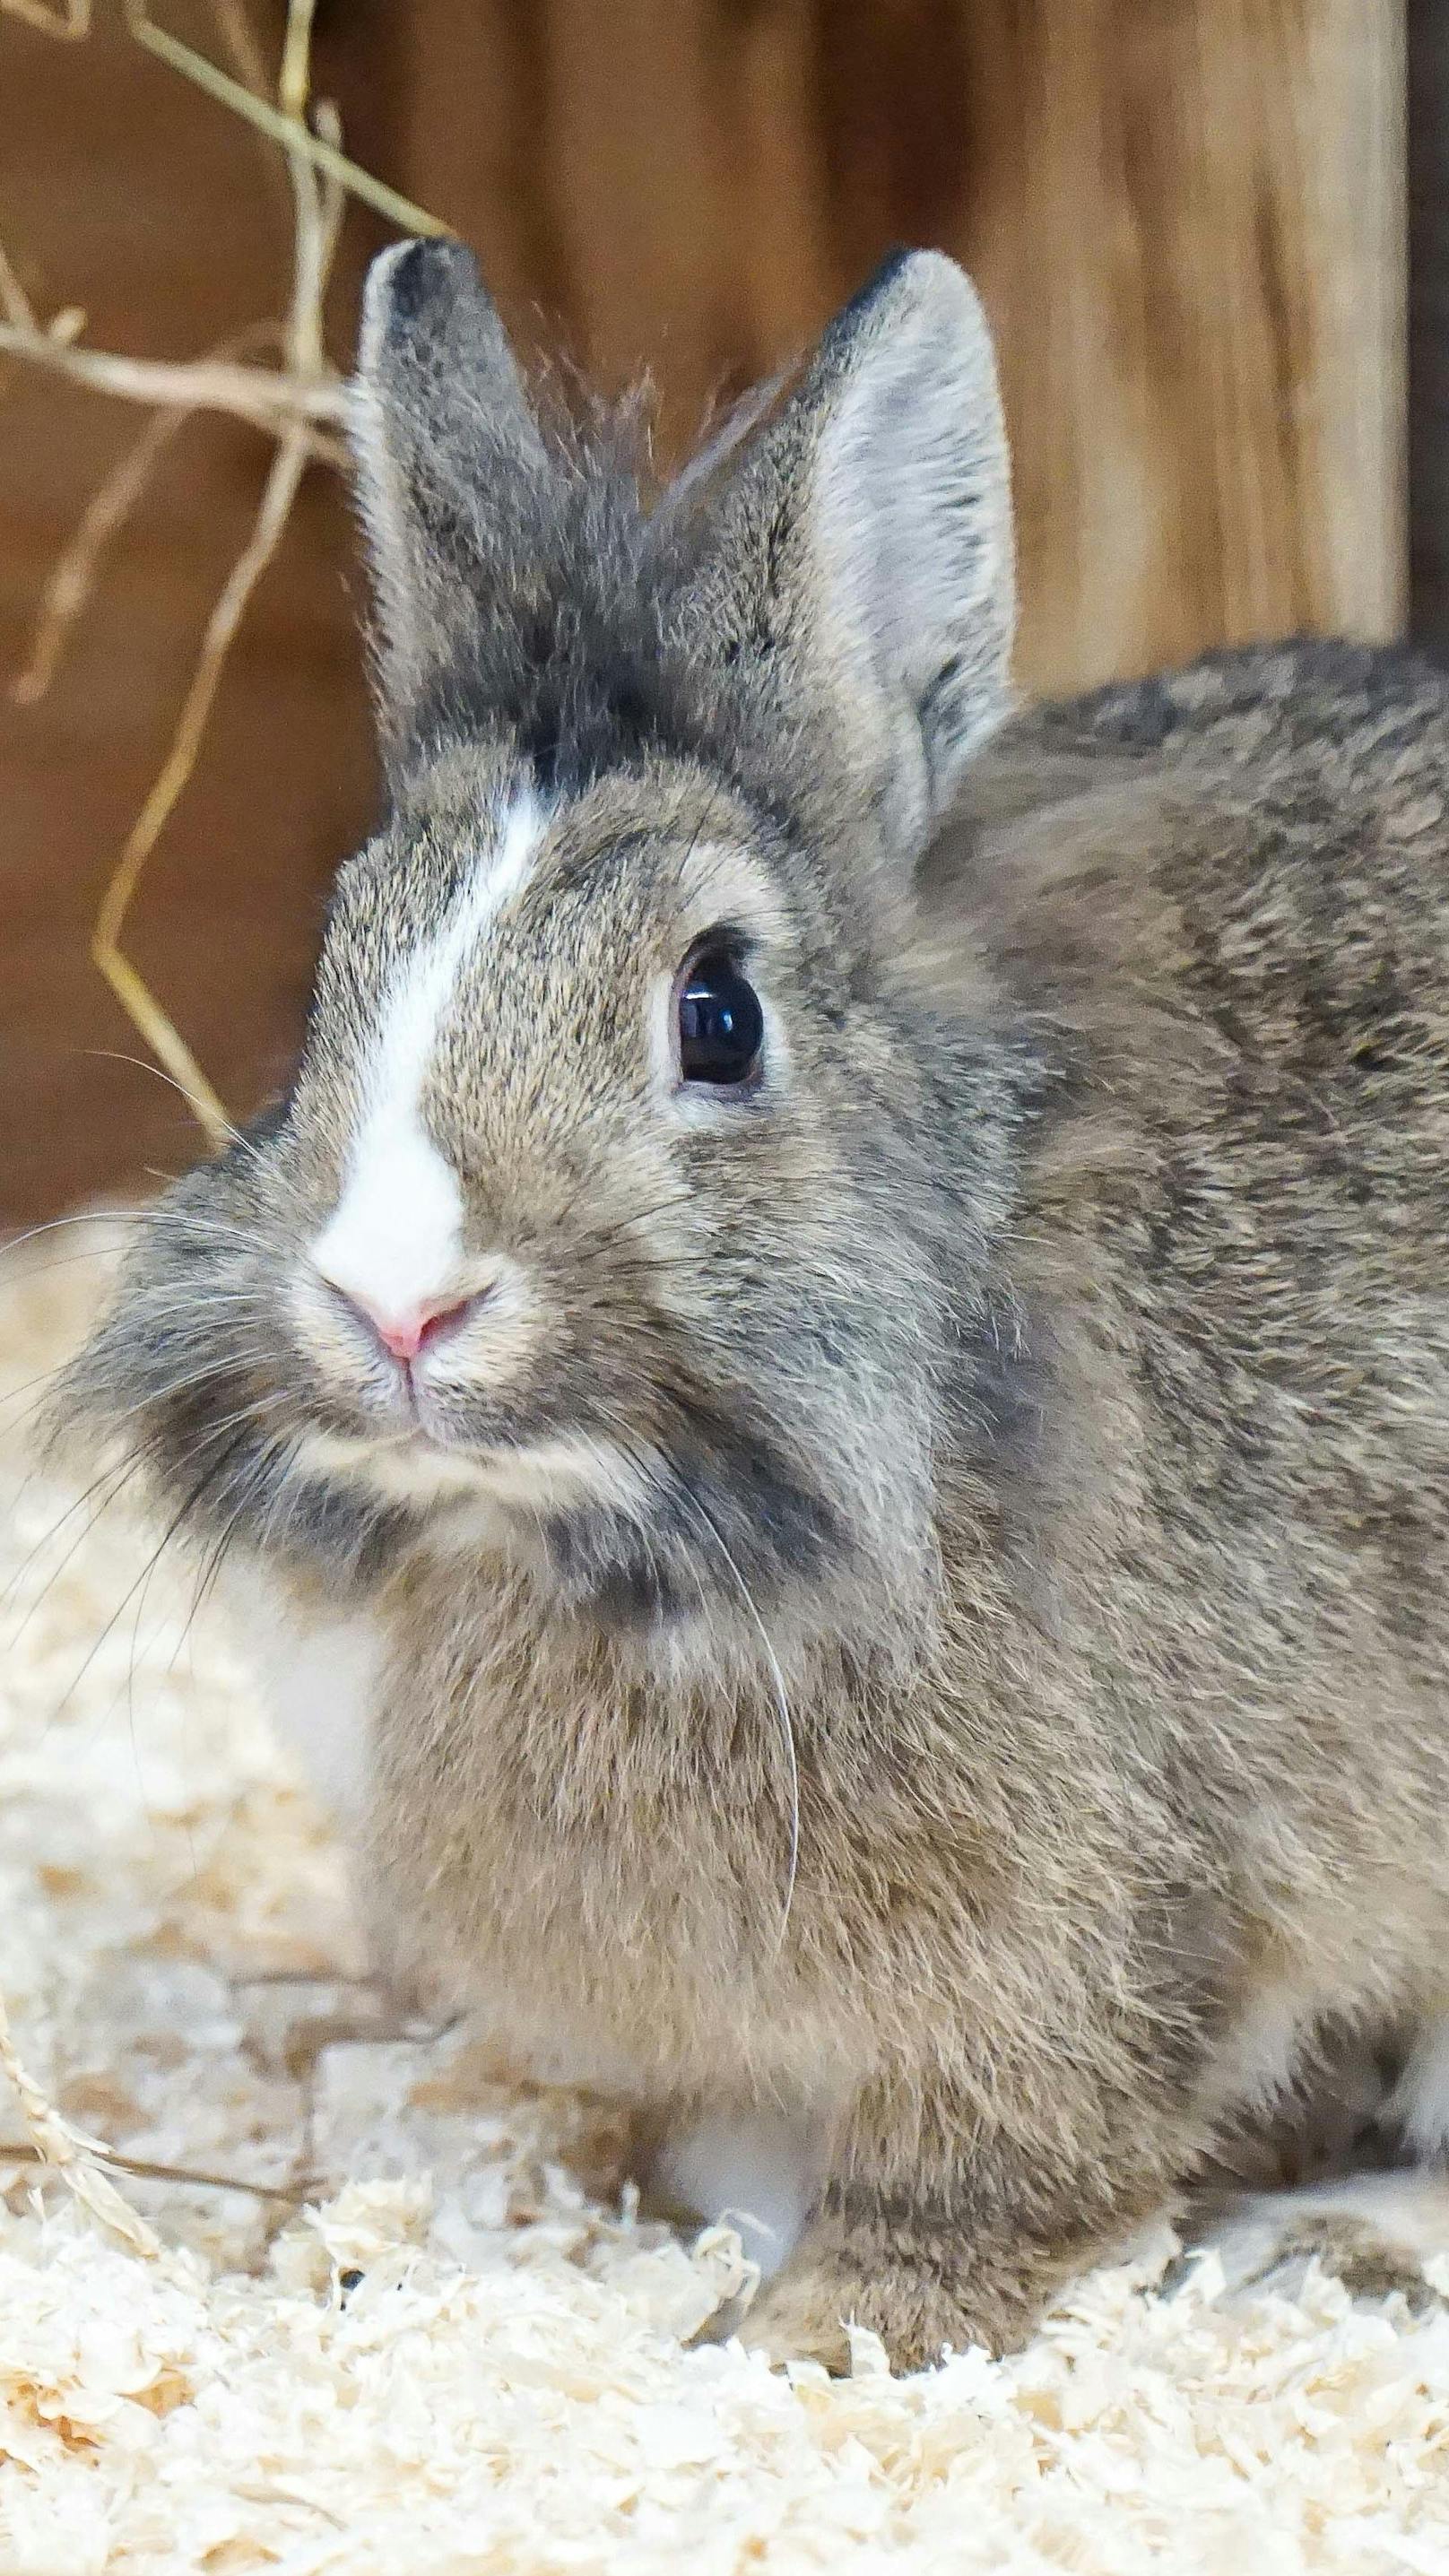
[
  {"x": 801, "y": 2317},
  {"x": 840, "y": 2278}
]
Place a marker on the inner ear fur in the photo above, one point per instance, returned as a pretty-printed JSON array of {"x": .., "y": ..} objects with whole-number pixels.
[{"x": 860, "y": 536}]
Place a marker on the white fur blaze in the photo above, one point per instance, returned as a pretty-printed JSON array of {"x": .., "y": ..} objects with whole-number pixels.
[{"x": 395, "y": 1238}]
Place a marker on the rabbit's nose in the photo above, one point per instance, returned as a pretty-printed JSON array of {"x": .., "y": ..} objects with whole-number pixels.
[{"x": 405, "y": 1331}]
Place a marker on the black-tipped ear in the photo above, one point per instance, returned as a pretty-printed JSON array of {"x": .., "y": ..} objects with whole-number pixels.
[
  {"x": 867, "y": 526},
  {"x": 445, "y": 447}
]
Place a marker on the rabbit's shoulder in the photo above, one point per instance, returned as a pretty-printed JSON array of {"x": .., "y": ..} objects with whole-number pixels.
[{"x": 1254, "y": 848}]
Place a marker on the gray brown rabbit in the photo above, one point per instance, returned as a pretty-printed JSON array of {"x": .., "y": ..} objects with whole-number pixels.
[{"x": 833, "y": 1383}]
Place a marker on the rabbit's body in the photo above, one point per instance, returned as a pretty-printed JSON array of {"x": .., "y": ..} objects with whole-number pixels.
[{"x": 902, "y": 1616}]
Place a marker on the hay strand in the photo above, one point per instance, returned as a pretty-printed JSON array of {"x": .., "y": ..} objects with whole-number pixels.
[
  {"x": 71, "y": 24},
  {"x": 281, "y": 125},
  {"x": 71, "y": 2154},
  {"x": 73, "y": 578}
]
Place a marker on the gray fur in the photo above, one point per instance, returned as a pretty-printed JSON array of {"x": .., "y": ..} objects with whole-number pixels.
[{"x": 1038, "y": 1391}]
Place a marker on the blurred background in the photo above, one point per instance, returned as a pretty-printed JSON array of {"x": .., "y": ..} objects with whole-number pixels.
[{"x": 1209, "y": 234}]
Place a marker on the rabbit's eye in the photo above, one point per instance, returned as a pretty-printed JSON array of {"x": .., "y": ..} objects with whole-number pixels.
[{"x": 721, "y": 1024}]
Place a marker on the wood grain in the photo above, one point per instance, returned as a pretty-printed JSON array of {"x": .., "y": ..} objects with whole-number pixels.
[{"x": 1193, "y": 245}]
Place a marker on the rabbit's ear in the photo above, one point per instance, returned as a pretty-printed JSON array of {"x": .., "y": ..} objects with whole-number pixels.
[
  {"x": 447, "y": 451},
  {"x": 870, "y": 519}
]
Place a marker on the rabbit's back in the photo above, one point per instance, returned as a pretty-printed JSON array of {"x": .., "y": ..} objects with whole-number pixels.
[{"x": 1226, "y": 894}]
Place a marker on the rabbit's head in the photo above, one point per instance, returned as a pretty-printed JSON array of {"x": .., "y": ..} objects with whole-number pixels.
[{"x": 627, "y": 1212}]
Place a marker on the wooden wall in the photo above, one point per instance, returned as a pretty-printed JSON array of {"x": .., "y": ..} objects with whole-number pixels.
[{"x": 1186, "y": 217}]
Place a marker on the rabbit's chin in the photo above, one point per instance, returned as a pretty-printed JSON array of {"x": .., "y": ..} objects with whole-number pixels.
[
  {"x": 453, "y": 1499},
  {"x": 610, "y": 1535},
  {"x": 412, "y": 1467}
]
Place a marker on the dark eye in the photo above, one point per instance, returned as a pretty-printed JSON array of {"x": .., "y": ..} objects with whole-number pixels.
[{"x": 721, "y": 1025}]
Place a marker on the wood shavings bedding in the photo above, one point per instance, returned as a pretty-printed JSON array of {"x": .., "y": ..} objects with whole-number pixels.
[{"x": 446, "y": 2346}]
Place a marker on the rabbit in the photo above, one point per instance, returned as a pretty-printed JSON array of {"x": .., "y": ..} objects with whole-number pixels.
[{"x": 832, "y": 1383}]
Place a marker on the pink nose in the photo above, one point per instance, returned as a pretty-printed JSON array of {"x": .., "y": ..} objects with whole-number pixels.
[{"x": 404, "y": 1331}]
